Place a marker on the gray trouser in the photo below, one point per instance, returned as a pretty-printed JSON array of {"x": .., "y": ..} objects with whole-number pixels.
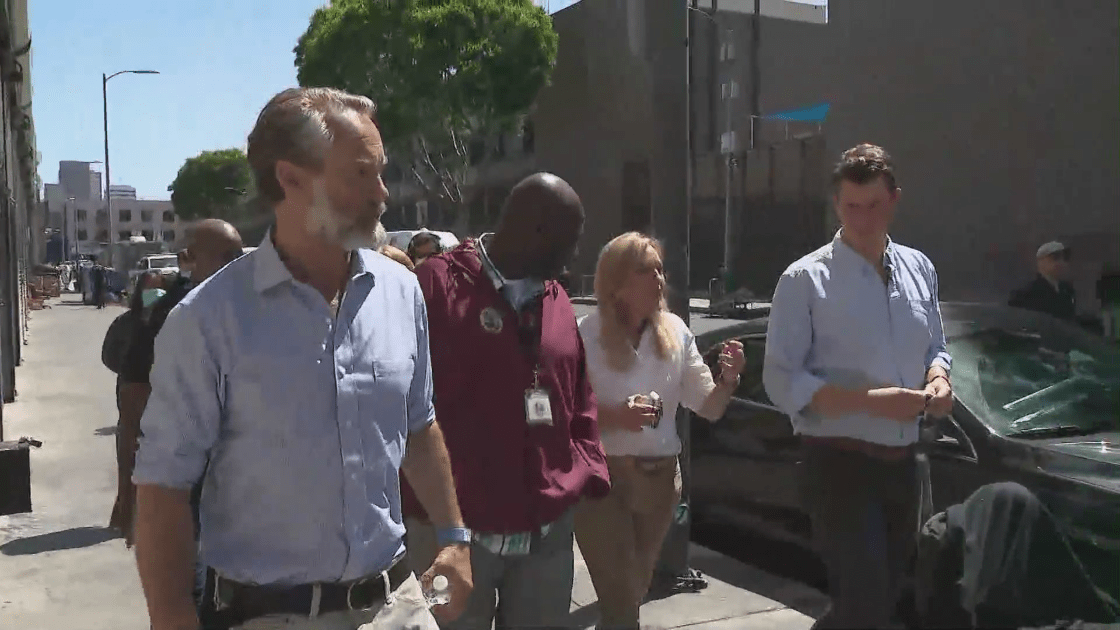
[
  {"x": 510, "y": 592},
  {"x": 865, "y": 516}
]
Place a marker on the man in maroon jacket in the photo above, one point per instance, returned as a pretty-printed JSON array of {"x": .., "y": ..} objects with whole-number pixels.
[{"x": 515, "y": 406}]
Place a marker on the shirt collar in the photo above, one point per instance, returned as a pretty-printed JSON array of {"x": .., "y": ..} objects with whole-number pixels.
[
  {"x": 269, "y": 269},
  {"x": 488, "y": 267},
  {"x": 517, "y": 293},
  {"x": 851, "y": 255}
]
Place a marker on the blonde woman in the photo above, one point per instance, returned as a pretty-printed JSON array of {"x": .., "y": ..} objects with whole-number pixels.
[{"x": 643, "y": 363}]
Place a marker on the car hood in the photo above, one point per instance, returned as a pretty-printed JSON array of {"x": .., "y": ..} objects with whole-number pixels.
[{"x": 1093, "y": 459}]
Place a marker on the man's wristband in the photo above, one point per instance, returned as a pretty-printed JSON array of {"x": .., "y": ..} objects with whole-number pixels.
[{"x": 446, "y": 536}]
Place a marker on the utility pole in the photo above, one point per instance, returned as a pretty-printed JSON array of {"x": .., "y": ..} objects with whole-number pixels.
[{"x": 667, "y": 37}]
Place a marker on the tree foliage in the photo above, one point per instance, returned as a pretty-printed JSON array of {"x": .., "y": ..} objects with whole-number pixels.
[
  {"x": 441, "y": 72},
  {"x": 211, "y": 185}
]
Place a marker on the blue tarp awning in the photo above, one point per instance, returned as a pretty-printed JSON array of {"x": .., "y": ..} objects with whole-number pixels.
[{"x": 816, "y": 114}]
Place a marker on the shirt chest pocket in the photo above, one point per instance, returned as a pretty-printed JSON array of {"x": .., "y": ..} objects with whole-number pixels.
[
  {"x": 384, "y": 390},
  {"x": 912, "y": 318}
]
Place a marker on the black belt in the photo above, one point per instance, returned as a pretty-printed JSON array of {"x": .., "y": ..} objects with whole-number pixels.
[{"x": 233, "y": 603}]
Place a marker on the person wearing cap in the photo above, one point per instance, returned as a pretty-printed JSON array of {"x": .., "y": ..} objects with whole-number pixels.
[{"x": 1050, "y": 292}]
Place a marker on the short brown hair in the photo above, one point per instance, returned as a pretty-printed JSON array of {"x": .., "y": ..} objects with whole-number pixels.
[
  {"x": 863, "y": 164},
  {"x": 295, "y": 126}
]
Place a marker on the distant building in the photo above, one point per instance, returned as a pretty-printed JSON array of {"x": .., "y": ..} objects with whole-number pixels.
[
  {"x": 121, "y": 191},
  {"x": 86, "y": 221},
  {"x": 1000, "y": 117},
  {"x": 79, "y": 181}
]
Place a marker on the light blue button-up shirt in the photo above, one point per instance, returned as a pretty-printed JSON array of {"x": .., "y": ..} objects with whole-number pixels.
[
  {"x": 302, "y": 416},
  {"x": 833, "y": 320}
]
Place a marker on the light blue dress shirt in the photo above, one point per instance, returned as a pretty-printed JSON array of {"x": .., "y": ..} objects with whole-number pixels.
[
  {"x": 302, "y": 415},
  {"x": 833, "y": 320}
]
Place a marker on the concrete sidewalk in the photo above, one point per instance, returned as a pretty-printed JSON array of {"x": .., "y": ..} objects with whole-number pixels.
[{"x": 61, "y": 569}]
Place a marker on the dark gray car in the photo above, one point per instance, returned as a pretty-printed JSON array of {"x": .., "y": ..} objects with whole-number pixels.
[{"x": 1037, "y": 402}]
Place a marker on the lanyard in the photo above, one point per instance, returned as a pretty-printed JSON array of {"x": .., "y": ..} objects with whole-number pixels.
[{"x": 529, "y": 334}]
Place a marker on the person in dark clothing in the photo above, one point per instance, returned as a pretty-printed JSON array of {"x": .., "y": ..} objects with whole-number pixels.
[
  {"x": 213, "y": 244},
  {"x": 1050, "y": 292},
  {"x": 98, "y": 273},
  {"x": 149, "y": 288},
  {"x": 998, "y": 560},
  {"x": 1108, "y": 292}
]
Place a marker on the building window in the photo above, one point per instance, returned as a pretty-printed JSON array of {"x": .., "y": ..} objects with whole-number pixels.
[
  {"x": 169, "y": 236},
  {"x": 477, "y": 150},
  {"x": 102, "y": 235},
  {"x": 528, "y": 139},
  {"x": 80, "y": 215},
  {"x": 146, "y": 216},
  {"x": 393, "y": 173},
  {"x": 168, "y": 216},
  {"x": 124, "y": 235},
  {"x": 147, "y": 234},
  {"x": 82, "y": 235},
  {"x": 124, "y": 216}
]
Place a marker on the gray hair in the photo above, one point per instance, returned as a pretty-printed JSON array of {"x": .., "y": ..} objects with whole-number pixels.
[{"x": 297, "y": 126}]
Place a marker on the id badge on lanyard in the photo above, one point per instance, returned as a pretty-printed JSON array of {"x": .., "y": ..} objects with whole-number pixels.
[{"x": 538, "y": 404}]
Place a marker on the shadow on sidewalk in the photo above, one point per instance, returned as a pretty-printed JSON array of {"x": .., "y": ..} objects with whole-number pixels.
[
  {"x": 104, "y": 431},
  {"x": 584, "y": 617},
  {"x": 793, "y": 594},
  {"x": 74, "y": 538}
]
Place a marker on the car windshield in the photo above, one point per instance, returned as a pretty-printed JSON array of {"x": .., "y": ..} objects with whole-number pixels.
[
  {"x": 162, "y": 262},
  {"x": 1030, "y": 375}
]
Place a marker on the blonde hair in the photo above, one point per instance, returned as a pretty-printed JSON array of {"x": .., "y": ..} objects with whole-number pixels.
[{"x": 617, "y": 262}]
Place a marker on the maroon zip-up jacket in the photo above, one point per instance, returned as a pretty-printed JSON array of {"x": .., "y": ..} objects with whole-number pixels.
[{"x": 510, "y": 477}]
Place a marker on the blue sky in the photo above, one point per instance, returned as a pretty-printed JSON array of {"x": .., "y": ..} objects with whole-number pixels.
[{"x": 219, "y": 62}]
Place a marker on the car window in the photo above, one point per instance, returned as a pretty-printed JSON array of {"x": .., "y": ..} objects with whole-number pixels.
[
  {"x": 750, "y": 385},
  {"x": 1042, "y": 380}
]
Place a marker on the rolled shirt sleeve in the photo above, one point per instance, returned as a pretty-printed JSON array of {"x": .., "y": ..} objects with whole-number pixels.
[
  {"x": 421, "y": 409},
  {"x": 181, "y": 422},
  {"x": 696, "y": 377},
  {"x": 789, "y": 337},
  {"x": 937, "y": 355}
]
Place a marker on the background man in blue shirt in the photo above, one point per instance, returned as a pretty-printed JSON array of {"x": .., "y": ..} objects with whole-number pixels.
[
  {"x": 855, "y": 353},
  {"x": 295, "y": 378}
]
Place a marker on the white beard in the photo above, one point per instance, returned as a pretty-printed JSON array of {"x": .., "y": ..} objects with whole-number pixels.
[{"x": 325, "y": 221}]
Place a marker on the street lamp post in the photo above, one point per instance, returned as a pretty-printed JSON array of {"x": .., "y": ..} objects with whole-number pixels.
[
  {"x": 729, "y": 90},
  {"x": 105, "y": 109}
]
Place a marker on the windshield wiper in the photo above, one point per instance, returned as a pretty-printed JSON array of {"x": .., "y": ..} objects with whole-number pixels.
[{"x": 1061, "y": 430}]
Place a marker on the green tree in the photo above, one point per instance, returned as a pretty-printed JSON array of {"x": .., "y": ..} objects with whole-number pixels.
[
  {"x": 441, "y": 72},
  {"x": 212, "y": 185}
]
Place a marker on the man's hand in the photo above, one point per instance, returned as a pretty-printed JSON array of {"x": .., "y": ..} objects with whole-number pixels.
[
  {"x": 731, "y": 362},
  {"x": 454, "y": 563},
  {"x": 941, "y": 397},
  {"x": 897, "y": 403}
]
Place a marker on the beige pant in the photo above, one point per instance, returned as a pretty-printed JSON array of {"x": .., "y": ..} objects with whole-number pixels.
[
  {"x": 405, "y": 610},
  {"x": 620, "y": 536}
]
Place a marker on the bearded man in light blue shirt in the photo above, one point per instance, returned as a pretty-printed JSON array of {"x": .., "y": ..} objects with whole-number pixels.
[{"x": 855, "y": 354}]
